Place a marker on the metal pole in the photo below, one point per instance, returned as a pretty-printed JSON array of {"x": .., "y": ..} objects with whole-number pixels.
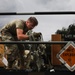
[
  {"x": 33, "y": 42},
  {"x": 39, "y": 13}
]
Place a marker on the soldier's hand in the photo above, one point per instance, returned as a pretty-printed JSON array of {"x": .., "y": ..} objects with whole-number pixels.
[{"x": 36, "y": 34}]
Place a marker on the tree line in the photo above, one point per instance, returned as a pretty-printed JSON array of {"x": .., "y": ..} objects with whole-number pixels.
[{"x": 67, "y": 33}]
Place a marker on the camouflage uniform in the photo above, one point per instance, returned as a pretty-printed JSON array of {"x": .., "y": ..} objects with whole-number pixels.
[{"x": 13, "y": 51}]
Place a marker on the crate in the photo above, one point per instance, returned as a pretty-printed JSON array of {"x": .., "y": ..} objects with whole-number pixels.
[
  {"x": 1, "y": 53},
  {"x": 55, "y": 48}
]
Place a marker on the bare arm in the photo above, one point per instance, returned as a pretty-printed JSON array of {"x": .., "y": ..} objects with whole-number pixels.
[{"x": 20, "y": 35}]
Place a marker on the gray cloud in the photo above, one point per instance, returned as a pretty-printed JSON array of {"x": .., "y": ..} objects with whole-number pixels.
[
  {"x": 7, "y": 5},
  {"x": 57, "y": 5},
  {"x": 36, "y": 5}
]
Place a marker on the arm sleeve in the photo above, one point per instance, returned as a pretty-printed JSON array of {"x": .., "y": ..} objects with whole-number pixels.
[{"x": 19, "y": 24}]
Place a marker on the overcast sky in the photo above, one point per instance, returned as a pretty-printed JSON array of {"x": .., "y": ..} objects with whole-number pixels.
[{"x": 48, "y": 24}]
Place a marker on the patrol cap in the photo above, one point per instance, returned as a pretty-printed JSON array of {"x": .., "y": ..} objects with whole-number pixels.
[{"x": 33, "y": 20}]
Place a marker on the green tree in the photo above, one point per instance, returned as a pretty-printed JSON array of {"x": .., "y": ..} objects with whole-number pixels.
[{"x": 67, "y": 33}]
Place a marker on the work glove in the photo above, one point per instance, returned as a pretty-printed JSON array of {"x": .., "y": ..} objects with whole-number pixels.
[{"x": 36, "y": 34}]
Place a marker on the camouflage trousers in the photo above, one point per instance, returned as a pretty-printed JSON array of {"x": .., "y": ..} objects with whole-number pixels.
[{"x": 12, "y": 52}]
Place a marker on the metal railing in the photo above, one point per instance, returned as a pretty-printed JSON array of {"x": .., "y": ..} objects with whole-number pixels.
[
  {"x": 34, "y": 42},
  {"x": 39, "y": 13}
]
